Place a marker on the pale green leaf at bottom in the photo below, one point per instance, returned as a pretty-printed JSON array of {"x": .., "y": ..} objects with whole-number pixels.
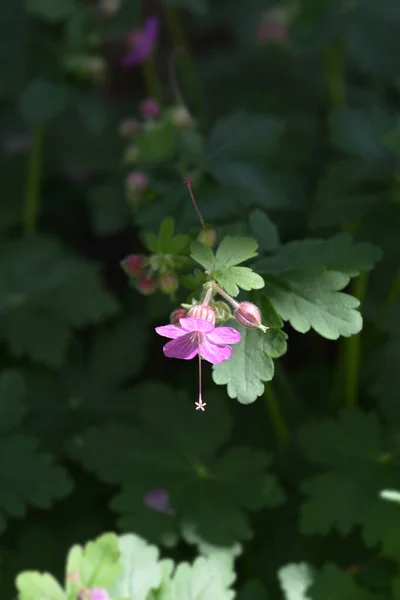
[{"x": 32, "y": 585}]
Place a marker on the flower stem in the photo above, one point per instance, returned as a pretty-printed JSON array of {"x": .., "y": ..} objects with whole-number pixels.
[
  {"x": 33, "y": 180},
  {"x": 153, "y": 85},
  {"x": 352, "y": 349},
  {"x": 188, "y": 182},
  {"x": 334, "y": 74},
  {"x": 178, "y": 37},
  {"x": 277, "y": 420},
  {"x": 227, "y": 297}
]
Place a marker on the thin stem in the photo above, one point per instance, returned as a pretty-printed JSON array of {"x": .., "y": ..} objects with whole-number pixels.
[
  {"x": 200, "y": 383},
  {"x": 207, "y": 297},
  {"x": 153, "y": 86},
  {"x": 277, "y": 420},
  {"x": 334, "y": 73},
  {"x": 188, "y": 182},
  {"x": 33, "y": 180},
  {"x": 352, "y": 349},
  {"x": 178, "y": 37},
  {"x": 222, "y": 293}
]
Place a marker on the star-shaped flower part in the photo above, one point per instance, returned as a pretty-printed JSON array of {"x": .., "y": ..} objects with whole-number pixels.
[{"x": 200, "y": 405}]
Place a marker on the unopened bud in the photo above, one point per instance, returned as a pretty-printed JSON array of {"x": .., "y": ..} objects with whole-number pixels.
[
  {"x": 201, "y": 311},
  {"x": 208, "y": 237},
  {"x": 129, "y": 127},
  {"x": 158, "y": 500},
  {"x": 146, "y": 285},
  {"x": 248, "y": 315},
  {"x": 150, "y": 109},
  {"x": 169, "y": 283},
  {"x": 181, "y": 117},
  {"x": 109, "y": 8},
  {"x": 222, "y": 311},
  {"x": 133, "y": 264},
  {"x": 98, "y": 594},
  {"x": 136, "y": 181},
  {"x": 177, "y": 314}
]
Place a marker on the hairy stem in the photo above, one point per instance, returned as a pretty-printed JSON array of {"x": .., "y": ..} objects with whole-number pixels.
[
  {"x": 352, "y": 349},
  {"x": 188, "y": 182},
  {"x": 31, "y": 210},
  {"x": 277, "y": 420}
]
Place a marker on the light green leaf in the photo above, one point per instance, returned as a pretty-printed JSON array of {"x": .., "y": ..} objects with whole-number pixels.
[
  {"x": 32, "y": 585},
  {"x": 265, "y": 231},
  {"x": 202, "y": 254},
  {"x": 233, "y": 278},
  {"x": 98, "y": 562},
  {"x": 234, "y": 250},
  {"x": 295, "y": 579},
  {"x": 249, "y": 366},
  {"x": 141, "y": 569},
  {"x": 339, "y": 253},
  {"x": 311, "y": 299},
  {"x": 207, "y": 579}
]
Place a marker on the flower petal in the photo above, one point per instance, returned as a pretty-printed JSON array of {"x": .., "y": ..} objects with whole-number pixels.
[
  {"x": 170, "y": 331},
  {"x": 184, "y": 347},
  {"x": 213, "y": 353},
  {"x": 150, "y": 29},
  {"x": 133, "y": 57},
  {"x": 190, "y": 324},
  {"x": 224, "y": 335}
]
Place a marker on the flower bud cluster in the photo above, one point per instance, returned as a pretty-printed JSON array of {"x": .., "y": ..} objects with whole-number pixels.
[{"x": 151, "y": 273}]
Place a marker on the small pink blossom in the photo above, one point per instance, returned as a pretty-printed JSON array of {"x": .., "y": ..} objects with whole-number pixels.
[
  {"x": 150, "y": 108},
  {"x": 196, "y": 336},
  {"x": 136, "y": 181},
  {"x": 142, "y": 42}
]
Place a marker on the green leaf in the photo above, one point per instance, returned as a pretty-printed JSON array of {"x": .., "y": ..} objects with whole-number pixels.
[
  {"x": 198, "y": 7},
  {"x": 311, "y": 299},
  {"x": 333, "y": 582},
  {"x": 166, "y": 242},
  {"x": 98, "y": 562},
  {"x": 108, "y": 208},
  {"x": 141, "y": 569},
  {"x": 42, "y": 100},
  {"x": 206, "y": 579},
  {"x": 295, "y": 579},
  {"x": 339, "y": 253},
  {"x": 233, "y": 278},
  {"x": 157, "y": 142},
  {"x": 250, "y": 364},
  {"x": 50, "y": 10},
  {"x": 173, "y": 449},
  {"x": 202, "y": 254},
  {"x": 12, "y": 400},
  {"x": 44, "y": 293},
  {"x": 265, "y": 231},
  {"x": 270, "y": 317},
  {"x": 233, "y": 251},
  {"x": 252, "y": 590},
  {"x": 37, "y": 586},
  {"x": 359, "y": 460}
]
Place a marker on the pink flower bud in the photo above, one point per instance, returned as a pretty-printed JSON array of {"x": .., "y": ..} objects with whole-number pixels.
[
  {"x": 129, "y": 126},
  {"x": 133, "y": 264},
  {"x": 169, "y": 283},
  {"x": 201, "y": 311},
  {"x": 181, "y": 117},
  {"x": 150, "y": 109},
  {"x": 136, "y": 181},
  {"x": 178, "y": 313},
  {"x": 146, "y": 285},
  {"x": 248, "y": 315},
  {"x": 98, "y": 594},
  {"x": 208, "y": 237}
]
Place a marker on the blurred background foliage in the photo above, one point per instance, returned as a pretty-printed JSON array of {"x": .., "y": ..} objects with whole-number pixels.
[{"x": 303, "y": 97}]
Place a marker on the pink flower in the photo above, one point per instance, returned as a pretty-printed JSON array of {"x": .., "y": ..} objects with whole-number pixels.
[
  {"x": 196, "y": 336},
  {"x": 142, "y": 42}
]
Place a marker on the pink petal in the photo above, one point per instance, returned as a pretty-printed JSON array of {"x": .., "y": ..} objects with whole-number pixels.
[
  {"x": 184, "y": 347},
  {"x": 224, "y": 335},
  {"x": 190, "y": 324},
  {"x": 214, "y": 354},
  {"x": 151, "y": 28},
  {"x": 170, "y": 331}
]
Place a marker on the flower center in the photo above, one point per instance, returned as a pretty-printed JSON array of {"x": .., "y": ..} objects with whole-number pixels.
[{"x": 197, "y": 337}]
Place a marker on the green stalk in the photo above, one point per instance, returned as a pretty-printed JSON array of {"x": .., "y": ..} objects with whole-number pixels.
[
  {"x": 352, "y": 349},
  {"x": 31, "y": 210},
  {"x": 183, "y": 55},
  {"x": 153, "y": 85},
  {"x": 392, "y": 294},
  {"x": 277, "y": 420},
  {"x": 334, "y": 74}
]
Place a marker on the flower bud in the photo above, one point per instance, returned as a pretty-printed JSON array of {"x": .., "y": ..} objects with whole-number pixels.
[
  {"x": 201, "y": 311},
  {"x": 248, "y": 315},
  {"x": 158, "y": 500},
  {"x": 136, "y": 181},
  {"x": 178, "y": 313},
  {"x": 150, "y": 109},
  {"x": 98, "y": 594},
  {"x": 208, "y": 237},
  {"x": 222, "y": 311},
  {"x": 169, "y": 283},
  {"x": 181, "y": 117},
  {"x": 146, "y": 285},
  {"x": 129, "y": 127},
  {"x": 108, "y": 8},
  {"x": 133, "y": 264}
]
